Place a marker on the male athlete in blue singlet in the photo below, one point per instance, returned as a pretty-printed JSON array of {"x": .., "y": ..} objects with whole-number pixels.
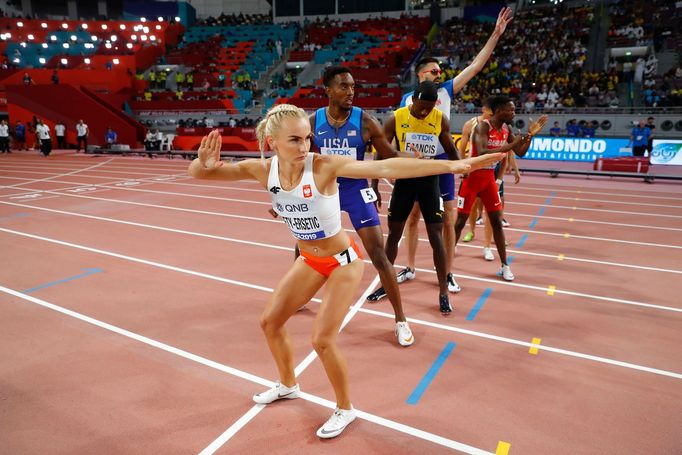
[{"x": 341, "y": 129}]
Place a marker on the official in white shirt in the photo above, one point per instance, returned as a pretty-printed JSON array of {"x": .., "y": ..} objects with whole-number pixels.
[
  {"x": 82, "y": 132},
  {"x": 4, "y": 137},
  {"x": 60, "y": 131},
  {"x": 43, "y": 132}
]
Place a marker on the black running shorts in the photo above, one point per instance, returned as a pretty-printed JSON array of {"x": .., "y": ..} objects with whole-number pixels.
[{"x": 424, "y": 190}]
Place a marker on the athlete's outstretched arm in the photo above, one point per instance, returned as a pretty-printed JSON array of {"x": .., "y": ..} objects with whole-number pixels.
[
  {"x": 446, "y": 141},
  {"x": 208, "y": 164},
  {"x": 484, "y": 54},
  {"x": 403, "y": 168}
]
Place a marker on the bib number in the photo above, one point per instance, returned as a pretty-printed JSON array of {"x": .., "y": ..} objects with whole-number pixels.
[
  {"x": 368, "y": 195},
  {"x": 346, "y": 257},
  {"x": 460, "y": 202}
]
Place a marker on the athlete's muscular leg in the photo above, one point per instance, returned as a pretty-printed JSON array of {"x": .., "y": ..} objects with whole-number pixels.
[
  {"x": 395, "y": 231},
  {"x": 435, "y": 232},
  {"x": 372, "y": 240},
  {"x": 459, "y": 224},
  {"x": 412, "y": 235},
  {"x": 498, "y": 233},
  {"x": 449, "y": 234}
]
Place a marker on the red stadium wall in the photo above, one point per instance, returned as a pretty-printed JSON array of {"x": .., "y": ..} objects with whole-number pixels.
[{"x": 113, "y": 80}]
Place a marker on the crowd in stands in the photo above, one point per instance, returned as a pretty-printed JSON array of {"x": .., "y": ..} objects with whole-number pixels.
[
  {"x": 244, "y": 122},
  {"x": 235, "y": 19},
  {"x": 539, "y": 62}
]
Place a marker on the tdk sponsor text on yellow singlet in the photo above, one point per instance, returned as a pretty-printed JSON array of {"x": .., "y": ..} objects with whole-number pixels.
[{"x": 420, "y": 134}]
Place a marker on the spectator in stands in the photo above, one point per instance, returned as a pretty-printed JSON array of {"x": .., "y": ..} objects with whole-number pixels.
[
  {"x": 555, "y": 130},
  {"x": 110, "y": 138},
  {"x": 4, "y": 137},
  {"x": 27, "y": 79},
  {"x": 179, "y": 80},
  {"x": 43, "y": 132},
  {"x": 221, "y": 80},
  {"x": 60, "y": 131},
  {"x": 232, "y": 122},
  {"x": 639, "y": 138},
  {"x": 189, "y": 78},
  {"x": 278, "y": 47},
  {"x": 82, "y": 132},
  {"x": 572, "y": 128},
  {"x": 650, "y": 141},
  {"x": 55, "y": 77},
  {"x": 152, "y": 141},
  {"x": 208, "y": 121},
  {"x": 20, "y": 136},
  {"x": 587, "y": 129}
]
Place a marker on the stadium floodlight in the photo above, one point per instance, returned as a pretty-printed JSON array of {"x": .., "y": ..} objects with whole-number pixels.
[
  {"x": 66, "y": 45},
  {"x": 122, "y": 26},
  {"x": 108, "y": 45},
  {"x": 22, "y": 44},
  {"x": 53, "y": 38},
  {"x": 20, "y": 24},
  {"x": 143, "y": 37},
  {"x": 65, "y": 25},
  {"x": 8, "y": 35},
  {"x": 114, "y": 38},
  {"x": 93, "y": 37},
  {"x": 74, "y": 38},
  {"x": 143, "y": 19},
  {"x": 2, "y": 36},
  {"x": 129, "y": 45},
  {"x": 64, "y": 61},
  {"x": 31, "y": 37},
  {"x": 105, "y": 26},
  {"x": 177, "y": 18},
  {"x": 43, "y": 25},
  {"x": 44, "y": 45},
  {"x": 158, "y": 27},
  {"x": 17, "y": 60},
  {"x": 86, "y": 61},
  {"x": 42, "y": 60},
  {"x": 145, "y": 29},
  {"x": 152, "y": 37},
  {"x": 84, "y": 26},
  {"x": 116, "y": 61},
  {"x": 160, "y": 19},
  {"x": 133, "y": 37}
]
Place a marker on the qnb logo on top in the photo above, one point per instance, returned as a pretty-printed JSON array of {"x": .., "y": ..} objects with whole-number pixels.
[{"x": 292, "y": 208}]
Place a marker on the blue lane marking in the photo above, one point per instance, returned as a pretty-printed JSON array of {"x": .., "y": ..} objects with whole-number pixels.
[
  {"x": 90, "y": 271},
  {"x": 433, "y": 371},
  {"x": 522, "y": 241},
  {"x": 14, "y": 215},
  {"x": 542, "y": 210},
  {"x": 533, "y": 223},
  {"x": 479, "y": 304}
]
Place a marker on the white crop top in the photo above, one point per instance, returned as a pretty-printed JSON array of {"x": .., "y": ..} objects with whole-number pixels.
[{"x": 308, "y": 214}]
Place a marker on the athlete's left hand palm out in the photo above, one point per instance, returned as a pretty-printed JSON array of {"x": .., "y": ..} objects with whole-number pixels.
[{"x": 209, "y": 150}]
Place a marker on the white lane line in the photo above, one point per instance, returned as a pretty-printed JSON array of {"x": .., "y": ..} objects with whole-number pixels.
[
  {"x": 411, "y": 431},
  {"x": 577, "y": 208},
  {"x": 266, "y": 289},
  {"x": 526, "y": 344},
  {"x": 583, "y": 199},
  {"x": 264, "y": 245},
  {"x": 54, "y": 176}
]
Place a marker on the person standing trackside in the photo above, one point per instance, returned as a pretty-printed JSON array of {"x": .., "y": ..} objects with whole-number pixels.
[
  {"x": 652, "y": 127},
  {"x": 43, "y": 133},
  {"x": 20, "y": 136},
  {"x": 60, "y": 131},
  {"x": 82, "y": 132},
  {"x": 4, "y": 137},
  {"x": 639, "y": 138}
]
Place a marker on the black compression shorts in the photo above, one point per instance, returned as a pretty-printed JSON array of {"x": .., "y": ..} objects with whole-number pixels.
[{"x": 424, "y": 190}]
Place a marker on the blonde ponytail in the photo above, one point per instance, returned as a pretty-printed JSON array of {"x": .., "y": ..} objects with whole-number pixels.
[{"x": 272, "y": 122}]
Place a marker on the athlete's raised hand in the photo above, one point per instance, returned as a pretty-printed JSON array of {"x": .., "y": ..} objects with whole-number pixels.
[
  {"x": 209, "y": 150},
  {"x": 535, "y": 127},
  {"x": 503, "y": 19}
]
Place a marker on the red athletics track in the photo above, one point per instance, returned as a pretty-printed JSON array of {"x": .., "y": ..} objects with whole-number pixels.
[{"x": 131, "y": 295}]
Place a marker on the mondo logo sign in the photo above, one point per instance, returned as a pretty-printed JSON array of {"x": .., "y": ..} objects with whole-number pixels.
[{"x": 576, "y": 149}]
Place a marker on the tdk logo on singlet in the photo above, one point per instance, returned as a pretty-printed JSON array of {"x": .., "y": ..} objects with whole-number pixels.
[
  {"x": 337, "y": 146},
  {"x": 422, "y": 137}
]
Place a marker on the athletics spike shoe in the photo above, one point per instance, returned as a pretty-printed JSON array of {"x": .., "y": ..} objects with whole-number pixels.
[
  {"x": 406, "y": 274},
  {"x": 479, "y": 221},
  {"x": 452, "y": 284},
  {"x": 336, "y": 423},
  {"x": 488, "y": 254},
  {"x": 445, "y": 307},
  {"x": 278, "y": 392},
  {"x": 468, "y": 237},
  {"x": 505, "y": 223},
  {"x": 377, "y": 295},
  {"x": 507, "y": 273},
  {"x": 404, "y": 334}
]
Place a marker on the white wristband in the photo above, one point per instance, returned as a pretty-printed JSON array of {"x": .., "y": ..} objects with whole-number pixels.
[{"x": 499, "y": 182}]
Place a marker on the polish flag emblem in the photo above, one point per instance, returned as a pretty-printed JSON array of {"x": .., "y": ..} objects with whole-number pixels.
[{"x": 307, "y": 191}]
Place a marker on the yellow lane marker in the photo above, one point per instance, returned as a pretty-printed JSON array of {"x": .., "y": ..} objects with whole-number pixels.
[
  {"x": 561, "y": 257},
  {"x": 551, "y": 289},
  {"x": 502, "y": 448},
  {"x": 567, "y": 235},
  {"x": 534, "y": 350},
  {"x": 570, "y": 220},
  {"x": 574, "y": 208}
]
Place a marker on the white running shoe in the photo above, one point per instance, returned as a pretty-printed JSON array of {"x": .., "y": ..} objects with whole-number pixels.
[
  {"x": 479, "y": 221},
  {"x": 488, "y": 254},
  {"x": 336, "y": 423},
  {"x": 507, "y": 273},
  {"x": 278, "y": 392},
  {"x": 404, "y": 334},
  {"x": 406, "y": 274},
  {"x": 505, "y": 223},
  {"x": 452, "y": 284}
]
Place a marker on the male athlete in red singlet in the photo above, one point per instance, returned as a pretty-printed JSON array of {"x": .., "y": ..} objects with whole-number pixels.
[{"x": 489, "y": 136}]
